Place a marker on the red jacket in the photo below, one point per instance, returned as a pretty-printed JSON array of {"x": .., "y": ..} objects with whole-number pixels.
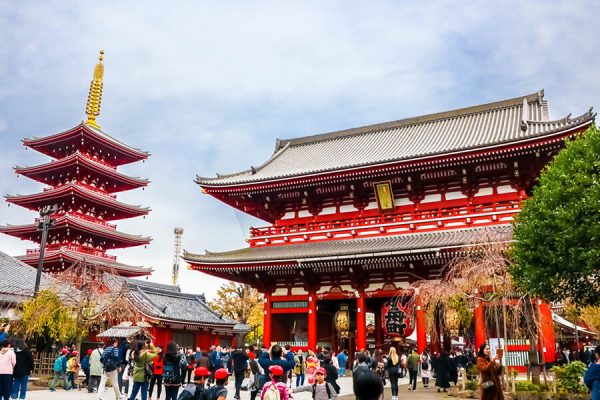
[{"x": 159, "y": 364}]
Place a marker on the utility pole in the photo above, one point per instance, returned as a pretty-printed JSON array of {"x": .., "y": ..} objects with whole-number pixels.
[{"x": 43, "y": 225}]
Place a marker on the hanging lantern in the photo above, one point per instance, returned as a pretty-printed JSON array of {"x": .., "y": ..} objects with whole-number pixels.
[
  {"x": 452, "y": 321},
  {"x": 396, "y": 319},
  {"x": 342, "y": 320}
]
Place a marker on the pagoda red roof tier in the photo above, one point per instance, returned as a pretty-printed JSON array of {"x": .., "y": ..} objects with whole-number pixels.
[
  {"x": 56, "y": 260},
  {"x": 68, "y": 228},
  {"x": 76, "y": 198},
  {"x": 88, "y": 140},
  {"x": 77, "y": 167},
  {"x": 425, "y": 140}
]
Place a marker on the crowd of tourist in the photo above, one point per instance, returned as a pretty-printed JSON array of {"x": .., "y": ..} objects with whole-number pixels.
[{"x": 139, "y": 369}]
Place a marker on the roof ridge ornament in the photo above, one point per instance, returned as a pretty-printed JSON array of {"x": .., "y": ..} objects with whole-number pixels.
[{"x": 92, "y": 108}]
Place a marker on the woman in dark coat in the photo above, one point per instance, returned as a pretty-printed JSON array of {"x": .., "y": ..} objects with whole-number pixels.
[
  {"x": 442, "y": 371},
  {"x": 490, "y": 372}
]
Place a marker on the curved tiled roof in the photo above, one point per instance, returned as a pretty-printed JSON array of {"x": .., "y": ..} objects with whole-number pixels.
[
  {"x": 346, "y": 249},
  {"x": 448, "y": 132},
  {"x": 18, "y": 279},
  {"x": 166, "y": 302}
]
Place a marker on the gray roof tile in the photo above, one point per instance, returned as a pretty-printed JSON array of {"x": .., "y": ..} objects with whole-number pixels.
[
  {"x": 447, "y": 132},
  {"x": 352, "y": 248},
  {"x": 18, "y": 279}
]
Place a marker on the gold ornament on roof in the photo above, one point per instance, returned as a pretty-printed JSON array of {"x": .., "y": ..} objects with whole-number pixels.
[{"x": 92, "y": 108}]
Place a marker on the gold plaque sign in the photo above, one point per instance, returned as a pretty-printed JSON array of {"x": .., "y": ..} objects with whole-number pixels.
[{"x": 384, "y": 196}]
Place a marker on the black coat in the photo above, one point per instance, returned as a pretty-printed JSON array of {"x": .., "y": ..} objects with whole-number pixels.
[
  {"x": 24, "y": 364},
  {"x": 332, "y": 375},
  {"x": 240, "y": 360},
  {"x": 442, "y": 372}
]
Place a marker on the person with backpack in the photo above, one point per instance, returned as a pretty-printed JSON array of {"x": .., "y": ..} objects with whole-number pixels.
[
  {"x": 73, "y": 369},
  {"x": 171, "y": 371},
  {"x": 95, "y": 368},
  {"x": 85, "y": 366},
  {"x": 412, "y": 364},
  {"x": 321, "y": 389},
  {"x": 257, "y": 378},
  {"x": 157, "y": 376},
  {"x": 331, "y": 372},
  {"x": 275, "y": 389},
  {"x": 425, "y": 368},
  {"x": 60, "y": 371},
  {"x": 110, "y": 363},
  {"x": 143, "y": 354},
  {"x": 218, "y": 391},
  {"x": 197, "y": 390}
]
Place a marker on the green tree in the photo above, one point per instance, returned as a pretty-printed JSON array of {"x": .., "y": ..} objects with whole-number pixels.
[
  {"x": 241, "y": 303},
  {"x": 46, "y": 316},
  {"x": 556, "y": 254}
]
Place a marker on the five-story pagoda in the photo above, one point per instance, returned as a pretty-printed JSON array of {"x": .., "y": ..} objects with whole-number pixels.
[{"x": 82, "y": 180}]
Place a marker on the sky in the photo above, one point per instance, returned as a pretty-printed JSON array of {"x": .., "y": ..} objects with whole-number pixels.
[{"x": 207, "y": 87}]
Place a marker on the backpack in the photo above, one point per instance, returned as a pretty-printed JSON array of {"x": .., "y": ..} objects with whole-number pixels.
[
  {"x": 272, "y": 393},
  {"x": 183, "y": 361},
  {"x": 188, "y": 393},
  {"x": 170, "y": 373},
  {"x": 85, "y": 363},
  {"x": 58, "y": 364},
  {"x": 314, "y": 390},
  {"x": 108, "y": 359}
]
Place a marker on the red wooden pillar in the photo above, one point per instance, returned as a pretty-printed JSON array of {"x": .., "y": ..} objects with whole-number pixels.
[
  {"x": 420, "y": 325},
  {"x": 547, "y": 340},
  {"x": 479, "y": 322},
  {"x": 267, "y": 321},
  {"x": 361, "y": 322},
  {"x": 312, "y": 320}
]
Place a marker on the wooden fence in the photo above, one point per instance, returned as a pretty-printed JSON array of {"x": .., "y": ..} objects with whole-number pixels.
[{"x": 43, "y": 363}]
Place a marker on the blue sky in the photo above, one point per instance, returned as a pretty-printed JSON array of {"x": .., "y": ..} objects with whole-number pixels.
[{"x": 207, "y": 87}]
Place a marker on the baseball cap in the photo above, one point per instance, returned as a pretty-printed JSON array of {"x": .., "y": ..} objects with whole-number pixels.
[
  {"x": 74, "y": 353},
  {"x": 321, "y": 370},
  {"x": 201, "y": 371},
  {"x": 221, "y": 373},
  {"x": 64, "y": 351},
  {"x": 276, "y": 370},
  {"x": 89, "y": 352}
]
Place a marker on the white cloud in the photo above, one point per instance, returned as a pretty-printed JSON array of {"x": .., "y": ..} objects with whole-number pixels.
[{"x": 207, "y": 87}]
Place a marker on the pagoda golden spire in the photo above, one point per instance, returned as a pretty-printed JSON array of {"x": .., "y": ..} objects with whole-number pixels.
[{"x": 92, "y": 108}]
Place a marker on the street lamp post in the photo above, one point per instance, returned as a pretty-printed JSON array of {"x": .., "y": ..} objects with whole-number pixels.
[{"x": 43, "y": 225}]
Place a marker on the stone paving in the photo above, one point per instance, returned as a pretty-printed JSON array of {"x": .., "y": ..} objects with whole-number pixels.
[{"x": 345, "y": 394}]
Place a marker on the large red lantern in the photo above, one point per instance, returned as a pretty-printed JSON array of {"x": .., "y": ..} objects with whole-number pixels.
[{"x": 396, "y": 318}]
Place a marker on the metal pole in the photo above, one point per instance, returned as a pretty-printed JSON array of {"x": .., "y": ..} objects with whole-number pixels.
[{"x": 44, "y": 225}]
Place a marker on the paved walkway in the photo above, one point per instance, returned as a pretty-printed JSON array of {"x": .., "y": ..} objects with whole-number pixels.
[{"x": 345, "y": 394}]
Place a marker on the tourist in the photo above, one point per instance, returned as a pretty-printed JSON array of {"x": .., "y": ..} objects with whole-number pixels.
[
  {"x": 226, "y": 359},
  {"x": 191, "y": 364},
  {"x": 360, "y": 363},
  {"x": 312, "y": 363},
  {"x": 157, "y": 372},
  {"x": 393, "y": 367},
  {"x": 143, "y": 353},
  {"x": 379, "y": 364},
  {"x": 289, "y": 373},
  {"x": 334, "y": 360},
  {"x": 203, "y": 361},
  {"x": 342, "y": 361},
  {"x": 111, "y": 362},
  {"x": 257, "y": 378},
  {"x": 239, "y": 359},
  {"x": 171, "y": 371},
  {"x": 425, "y": 368},
  {"x": 321, "y": 389},
  {"x": 197, "y": 357},
  {"x": 369, "y": 360},
  {"x": 332, "y": 372},
  {"x": 277, "y": 356},
  {"x": 85, "y": 366},
  {"x": 124, "y": 346},
  {"x": 442, "y": 371},
  {"x": 367, "y": 385},
  {"x": 412, "y": 364},
  {"x": 95, "y": 368},
  {"x": 8, "y": 360},
  {"x": 490, "y": 370},
  {"x": 196, "y": 390},
  {"x": 22, "y": 369},
  {"x": 275, "y": 384},
  {"x": 60, "y": 371},
  {"x": 321, "y": 354},
  {"x": 592, "y": 376},
  {"x": 299, "y": 368},
  {"x": 453, "y": 370},
  {"x": 4, "y": 332},
  {"x": 73, "y": 369},
  {"x": 403, "y": 359},
  {"x": 218, "y": 391}
]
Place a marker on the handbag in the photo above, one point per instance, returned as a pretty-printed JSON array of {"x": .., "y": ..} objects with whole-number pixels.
[
  {"x": 149, "y": 369},
  {"x": 487, "y": 384}
]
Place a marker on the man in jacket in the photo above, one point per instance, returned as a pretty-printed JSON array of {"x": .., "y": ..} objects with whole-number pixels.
[
  {"x": 111, "y": 362},
  {"x": 240, "y": 363},
  {"x": 95, "y": 368},
  {"x": 277, "y": 356},
  {"x": 412, "y": 364}
]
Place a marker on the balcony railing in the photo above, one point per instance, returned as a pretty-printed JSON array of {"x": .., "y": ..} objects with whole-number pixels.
[{"x": 76, "y": 248}]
